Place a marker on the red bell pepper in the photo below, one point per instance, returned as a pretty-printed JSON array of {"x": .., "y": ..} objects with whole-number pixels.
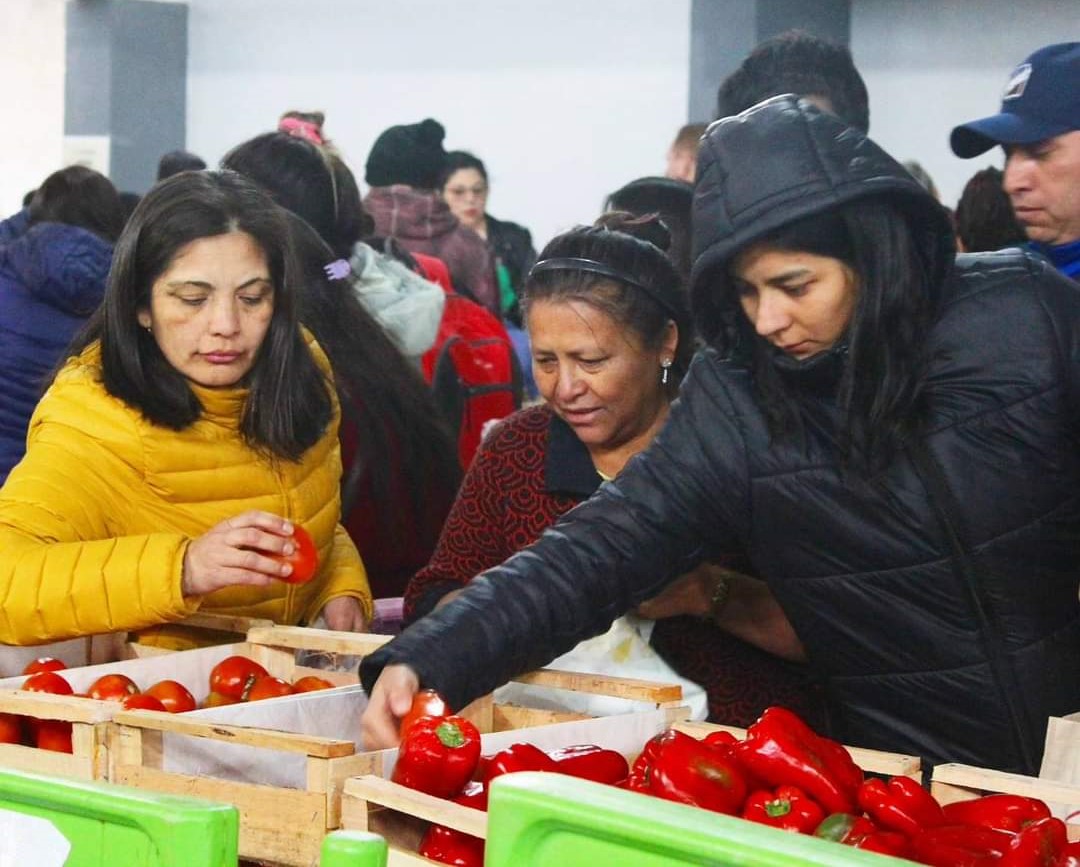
[
  {"x": 448, "y": 846},
  {"x": 519, "y": 757},
  {"x": 1040, "y": 844},
  {"x": 900, "y": 805},
  {"x": 438, "y": 755},
  {"x": 591, "y": 762},
  {"x": 846, "y": 828},
  {"x": 787, "y": 807},
  {"x": 1001, "y": 812},
  {"x": 1070, "y": 856},
  {"x": 960, "y": 846},
  {"x": 783, "y": 751},
  {"x": 722, "y": 740},
  {"x": 474, "y": 795},
  {"x": 681, "y": 768}
]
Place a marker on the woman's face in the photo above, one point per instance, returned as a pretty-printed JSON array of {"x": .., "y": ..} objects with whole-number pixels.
[
  {"x": 800, "y": 302},
  {"x": 466, "y": 194},
  {"x": 210, "y": 309},
  {"x": 595, "y": 374}
]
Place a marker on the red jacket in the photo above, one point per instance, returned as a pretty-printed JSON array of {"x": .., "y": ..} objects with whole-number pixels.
[{"x": 528, "y": 472}]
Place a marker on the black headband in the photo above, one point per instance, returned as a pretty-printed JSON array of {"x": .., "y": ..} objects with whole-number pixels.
[{"x": 591, "y": 266}]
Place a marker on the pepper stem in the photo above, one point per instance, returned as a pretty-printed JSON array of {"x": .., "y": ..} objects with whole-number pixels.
[{"x": 450, "y": 735}]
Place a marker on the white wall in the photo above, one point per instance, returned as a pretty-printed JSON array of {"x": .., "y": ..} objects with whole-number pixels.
[
  {"x": 32, "y": 69},
  {"x": 564, "y": 100},
  {"x": 932, "y": 64}
]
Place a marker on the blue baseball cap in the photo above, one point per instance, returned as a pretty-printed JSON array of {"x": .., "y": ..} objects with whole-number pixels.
[{"x": 1041, "y": 100}]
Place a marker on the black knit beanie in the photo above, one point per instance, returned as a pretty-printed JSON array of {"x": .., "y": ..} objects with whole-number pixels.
[{"x": 412, "y": 154}]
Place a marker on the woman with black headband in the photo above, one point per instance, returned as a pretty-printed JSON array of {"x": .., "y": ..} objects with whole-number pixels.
[
  {"x": 891, "y": 433},
  {"x": 611, "y": 340}
]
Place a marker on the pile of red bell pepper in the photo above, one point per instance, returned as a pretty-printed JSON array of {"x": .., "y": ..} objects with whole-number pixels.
[
  {"x": 782, "y": 774},
  {"x": 440, "y": 755}
]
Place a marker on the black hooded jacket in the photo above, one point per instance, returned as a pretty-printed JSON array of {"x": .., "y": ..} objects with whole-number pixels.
[{"x": 938, "y": 599}]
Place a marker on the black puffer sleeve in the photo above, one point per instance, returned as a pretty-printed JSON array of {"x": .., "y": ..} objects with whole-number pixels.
[{"x": 687, "y": 494}]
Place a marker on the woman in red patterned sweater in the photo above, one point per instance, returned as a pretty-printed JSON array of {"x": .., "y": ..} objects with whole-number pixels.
[{"x": 611, "y": 339}]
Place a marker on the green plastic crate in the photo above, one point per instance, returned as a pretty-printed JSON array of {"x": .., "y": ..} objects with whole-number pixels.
[
  {"x": 107, "y": 825},
  {"x": 544, "y": 819},
  {"x": 353, "y": 849}
]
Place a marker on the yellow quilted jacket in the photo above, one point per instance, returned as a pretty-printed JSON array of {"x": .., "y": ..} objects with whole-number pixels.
[{"x": 95, "y": 520}]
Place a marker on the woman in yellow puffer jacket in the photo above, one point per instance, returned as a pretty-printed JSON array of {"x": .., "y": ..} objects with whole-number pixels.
[{"x": 172, "y": 457}]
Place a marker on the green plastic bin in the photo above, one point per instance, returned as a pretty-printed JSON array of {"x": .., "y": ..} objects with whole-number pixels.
[
  {"x": 353, "y": 849},
  {"x": 107, "y": 825},
  {"x": 545, "y": 819}
]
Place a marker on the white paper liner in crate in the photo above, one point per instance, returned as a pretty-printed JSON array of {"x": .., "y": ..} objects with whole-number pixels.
[
  {"x": 332, "y": 713},
  {"x": 622, "y": 651},
  {"x": 626, "y": 733},
  {"x": 1061, "y": 760}
]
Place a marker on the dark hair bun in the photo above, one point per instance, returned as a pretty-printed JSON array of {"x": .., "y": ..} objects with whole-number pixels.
[
  {"x": 430, "y": 131},
  {"x": 648, "y": 228}
]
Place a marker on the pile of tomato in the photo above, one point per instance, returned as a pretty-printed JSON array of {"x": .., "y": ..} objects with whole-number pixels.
[{"x": 232, "y": 680}]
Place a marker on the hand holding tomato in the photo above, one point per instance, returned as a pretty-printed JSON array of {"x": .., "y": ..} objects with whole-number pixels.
[
  {"x": 391, "y": 699},
  {"x": 303, "y": 559},
  {"x": 251, "y": 548}
]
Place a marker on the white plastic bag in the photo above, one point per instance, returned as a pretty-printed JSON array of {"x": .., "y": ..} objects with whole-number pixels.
[{"x": 622, "y": 651}]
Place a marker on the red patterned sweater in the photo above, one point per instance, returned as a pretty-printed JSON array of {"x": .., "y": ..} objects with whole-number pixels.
[{"x": 529, "y": 471}]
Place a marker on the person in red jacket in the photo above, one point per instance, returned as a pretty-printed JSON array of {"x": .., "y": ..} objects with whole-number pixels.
[{"x": 611, "y": 340}]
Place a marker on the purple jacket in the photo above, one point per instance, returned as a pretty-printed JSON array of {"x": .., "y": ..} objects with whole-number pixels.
[
  {"x": 422, "y": 223},
  {"x": 52, "y": 277}
]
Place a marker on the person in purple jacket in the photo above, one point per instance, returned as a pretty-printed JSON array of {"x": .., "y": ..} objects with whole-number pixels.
[{"x": 54, "y": 258}]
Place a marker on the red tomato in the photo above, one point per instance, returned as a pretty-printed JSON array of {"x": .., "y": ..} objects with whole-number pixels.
[
  {"x": 216, "y": 699},
  {"x": 142, "y": 701},
  {"x": 234, "y": 675},
  {"x": 173, "y": 695},
  {"x": 112, "y": 687},
  {"x": 304, "y": 559},
  {"x": 47, "y": 681},
  {"x": 53, "y": 734},
  {"x": 311, "y": 683},
  {"x": 268, "y": 687},
  {"x": 425, "y": 703},
  {"x": 44, "y": 663},
  {"x": 11, "y": 728}
]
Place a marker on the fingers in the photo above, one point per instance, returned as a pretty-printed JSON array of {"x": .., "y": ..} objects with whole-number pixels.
[
  {"x": 390, "y": 700},
  {"x": 263, "y": 520},
  {"x": 251, "y": 537}
]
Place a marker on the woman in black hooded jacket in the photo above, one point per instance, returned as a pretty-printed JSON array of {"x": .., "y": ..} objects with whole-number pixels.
[{"x": 890, "y": 434}]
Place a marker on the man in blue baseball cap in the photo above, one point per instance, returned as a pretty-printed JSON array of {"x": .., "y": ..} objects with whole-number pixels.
[{"x": 1039, "y": 128}]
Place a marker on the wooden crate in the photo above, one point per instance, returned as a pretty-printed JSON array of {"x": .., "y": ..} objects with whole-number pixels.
[
  {"x": 955, "y": 782},
  {"x": 286, "y": 824},
  {"x": 402, "y": 815},
  {"x": 89, "y": 735}
]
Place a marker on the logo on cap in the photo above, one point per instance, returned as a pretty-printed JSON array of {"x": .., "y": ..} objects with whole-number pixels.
[{"x": 1015, "y": 88}]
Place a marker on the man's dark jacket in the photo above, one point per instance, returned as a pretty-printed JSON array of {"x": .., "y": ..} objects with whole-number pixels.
[{"x": 954, "y": 650}]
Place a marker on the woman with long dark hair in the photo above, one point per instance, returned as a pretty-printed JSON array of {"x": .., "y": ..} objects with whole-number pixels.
[
  {"x": 890, "y": 434},
  {"x": 400, "y": 471},
  {"x": 192, "y": 429}
]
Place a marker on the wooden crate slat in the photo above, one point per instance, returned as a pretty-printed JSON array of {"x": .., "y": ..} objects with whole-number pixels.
[
  {"x": 255, "y": 737},
  {"x": 279, "y": 825},
  {"x": 603, "y": 684},
  {"x": 325, "y": 640},
  {"x": 376, "y": 790}
]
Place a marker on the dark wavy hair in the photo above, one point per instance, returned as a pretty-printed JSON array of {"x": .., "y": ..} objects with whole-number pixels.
[
  {"x": 310, "y": 181},
  {"x": 634, "y": 246},
  {"x": 797, "y": 62},
  {"x": 80, "y": 196},
  {"x": 288, "y": 407},
  {"x": 984, "y": 215},
  {"x": 880, "y": 389},
  {"x": 385, "y": 395}
]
